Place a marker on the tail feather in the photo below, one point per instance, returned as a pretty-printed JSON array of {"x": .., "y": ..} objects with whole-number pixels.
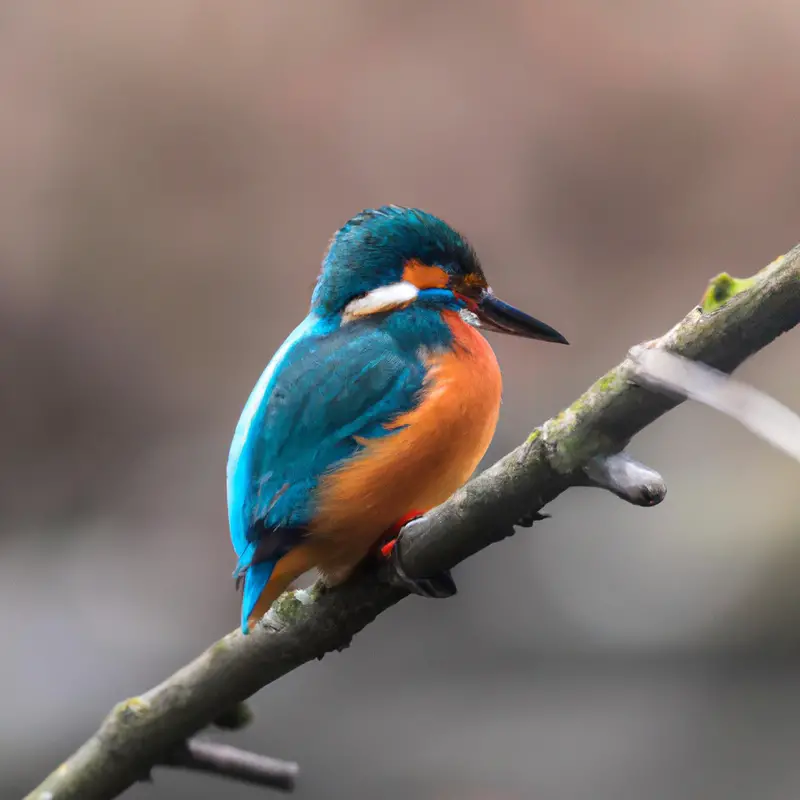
[
  {"x": 265, "y": 581},
  {"x": 255, "y": 582}
]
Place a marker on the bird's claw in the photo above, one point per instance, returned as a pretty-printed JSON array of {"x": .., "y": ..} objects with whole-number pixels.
[
  {"x": 436, "y": 587},
  {"x": 527, "y": 520}
]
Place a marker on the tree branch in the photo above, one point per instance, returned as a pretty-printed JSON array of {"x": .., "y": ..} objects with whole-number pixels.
[
  {"x": 734, "y": 320},
  {"x": 231, "y": 762},
  {"x": 626, "y": 478},
  {"x": 759, "y": 412}
]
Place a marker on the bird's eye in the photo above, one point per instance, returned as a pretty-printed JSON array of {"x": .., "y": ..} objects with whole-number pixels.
[{"x": 469, "y": 288}]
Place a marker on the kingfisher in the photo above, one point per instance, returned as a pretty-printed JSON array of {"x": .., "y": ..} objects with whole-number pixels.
[{"x": 374, "y": 410}]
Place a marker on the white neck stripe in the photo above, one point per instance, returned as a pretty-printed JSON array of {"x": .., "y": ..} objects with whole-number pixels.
[{"x": 384, "y": 298}]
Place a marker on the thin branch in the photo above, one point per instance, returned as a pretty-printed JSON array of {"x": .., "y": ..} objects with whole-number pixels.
[
  {"x": 761, "y": 414},
  {"x": 231, "y": 762},
  {"x": 735, "y": 320},
  {"x": 625, "y": 477}
]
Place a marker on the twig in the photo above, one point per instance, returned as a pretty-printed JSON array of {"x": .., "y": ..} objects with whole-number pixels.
[
  {"x": 231, "y": 762},
  {"x": 757, "y": 411},
  {"x": 626, "y": 478},
  {"x": 735, "y": 320}
]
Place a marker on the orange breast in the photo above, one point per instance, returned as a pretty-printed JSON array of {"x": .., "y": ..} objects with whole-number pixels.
[{"x": 420, "y": 466}]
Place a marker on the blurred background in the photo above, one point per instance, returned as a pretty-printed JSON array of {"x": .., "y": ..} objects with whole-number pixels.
[{"x": 170, "y": 172}]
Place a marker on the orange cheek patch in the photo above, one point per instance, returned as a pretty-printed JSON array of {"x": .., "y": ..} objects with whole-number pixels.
[{"x": 424, "y": 276}]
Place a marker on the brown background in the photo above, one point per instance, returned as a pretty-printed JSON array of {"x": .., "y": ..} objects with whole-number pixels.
[{"x": 170, "y": 172}]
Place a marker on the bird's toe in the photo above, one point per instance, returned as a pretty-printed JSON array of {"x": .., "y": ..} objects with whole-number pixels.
[{"x": 435, "y": 587}]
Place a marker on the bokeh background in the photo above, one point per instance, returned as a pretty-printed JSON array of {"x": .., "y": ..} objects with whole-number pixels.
[{"x": 170, "y": 172}]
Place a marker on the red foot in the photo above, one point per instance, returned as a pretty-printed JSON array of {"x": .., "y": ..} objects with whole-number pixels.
[
  {"x": 386, "y": 550},
  {"x": 394, "y": 532}
]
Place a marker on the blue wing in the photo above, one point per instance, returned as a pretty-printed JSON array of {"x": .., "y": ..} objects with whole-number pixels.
[{"x": 325, "y": 386}]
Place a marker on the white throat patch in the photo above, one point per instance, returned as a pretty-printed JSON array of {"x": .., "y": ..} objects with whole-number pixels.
[
  {"x": 384, "y": 298},
  {"x": 470, "y": 317}
]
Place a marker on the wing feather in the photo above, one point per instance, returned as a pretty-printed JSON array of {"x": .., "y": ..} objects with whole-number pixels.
[{"x": 323, "y": 394}]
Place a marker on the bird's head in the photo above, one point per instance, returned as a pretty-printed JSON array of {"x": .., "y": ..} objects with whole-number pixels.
[{"x": 392, "y": 257}]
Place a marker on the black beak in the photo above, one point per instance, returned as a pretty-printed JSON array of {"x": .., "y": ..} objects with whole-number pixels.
[{"x": 495, "y": 315}]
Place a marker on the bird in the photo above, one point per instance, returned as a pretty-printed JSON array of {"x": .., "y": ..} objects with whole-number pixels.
[{"x": 374, "y": 410}]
